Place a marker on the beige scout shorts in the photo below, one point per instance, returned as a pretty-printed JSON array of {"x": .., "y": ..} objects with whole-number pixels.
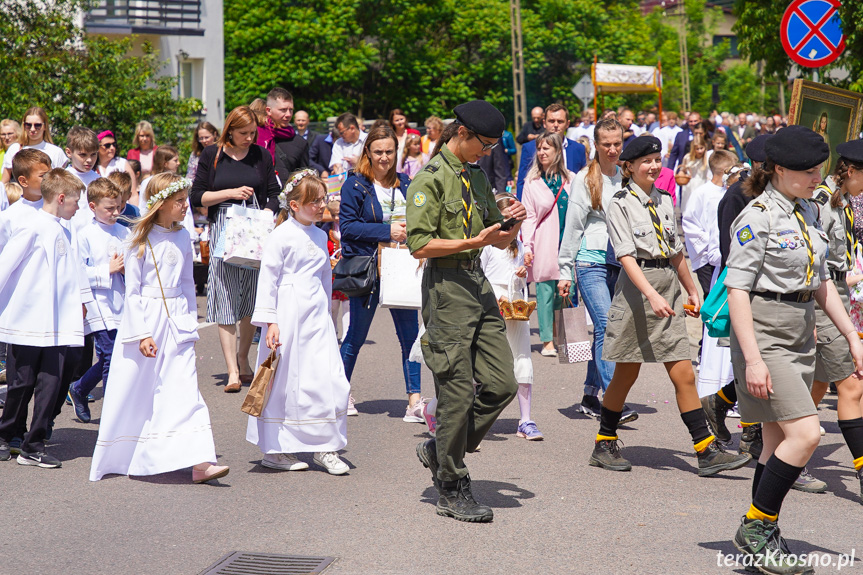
[
  {"x": 634, "y": 334},
  {"x": 785, "y": 333}
]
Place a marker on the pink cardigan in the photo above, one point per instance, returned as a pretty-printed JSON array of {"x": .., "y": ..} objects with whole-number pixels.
[{"x": 542, "y": 241}]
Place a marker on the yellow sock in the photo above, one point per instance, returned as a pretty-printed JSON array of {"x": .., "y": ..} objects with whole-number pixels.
[
  {"x": 606, "y": 438},
  {"x": 702, "y": 445},
  {"x": 755, "y": 513},
  {"x": 746, "y": 424},
  {"x": 858, "y": 463},
  {"x": 725, "y": 399}
]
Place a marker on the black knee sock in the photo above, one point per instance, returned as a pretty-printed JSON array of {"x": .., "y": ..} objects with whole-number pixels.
[
  {"x": 696, "y": 423},
  {"x": 728, "y": 393},
  {"x": 608, "y": 421},
  {"x": 774, "y": 485},
  {"x": 852, "y": 431},
  {"x": 756, "y": 479}
]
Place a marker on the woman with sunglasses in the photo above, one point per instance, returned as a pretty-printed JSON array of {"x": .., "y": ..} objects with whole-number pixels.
[
  {"x": 110, "y": 162},
  {"x": 36, "y": 134}
]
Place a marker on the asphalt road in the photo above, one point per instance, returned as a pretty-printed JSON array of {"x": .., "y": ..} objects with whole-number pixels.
[{"x": 553, "y": 513}]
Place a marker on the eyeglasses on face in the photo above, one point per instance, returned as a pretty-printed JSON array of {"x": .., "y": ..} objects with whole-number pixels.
[
  {"x": 485, "y": 147},
  {"x": 108, "y": 145},
  {"x": 36, "y": 126}
]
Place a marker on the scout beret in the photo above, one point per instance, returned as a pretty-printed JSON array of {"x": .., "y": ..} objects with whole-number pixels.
[
  {"x": 755, "y": 148},
  {"x": 851, "y": 151},
  {"x": 640, "y": 147},
  {"x": 797, "y": 148},
  {"x": 481, "y": 118}
]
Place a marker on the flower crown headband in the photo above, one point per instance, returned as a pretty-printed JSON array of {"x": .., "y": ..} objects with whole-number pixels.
[
  {"x": 293, "y": 183},
  {"x": 177, "y": 186}
]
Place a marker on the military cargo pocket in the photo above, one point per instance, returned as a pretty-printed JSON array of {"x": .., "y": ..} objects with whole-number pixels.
[
  {"x": 452, "y": 212},
  {"x": 616, "y": 313},
  {"x": 440, "y": 350}
]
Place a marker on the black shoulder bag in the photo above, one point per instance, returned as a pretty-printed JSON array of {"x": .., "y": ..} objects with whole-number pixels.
[{"x": 356, "y": 276}]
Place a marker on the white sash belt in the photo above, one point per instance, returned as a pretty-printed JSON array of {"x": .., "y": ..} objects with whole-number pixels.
[{"x": 156, "y": 293}]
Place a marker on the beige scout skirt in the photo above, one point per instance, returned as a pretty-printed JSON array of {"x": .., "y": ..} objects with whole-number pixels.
[
  {"x": 785, "y": 333},
  {"x": 634, "y": 334},
  {"x": 833, "y": 360}
]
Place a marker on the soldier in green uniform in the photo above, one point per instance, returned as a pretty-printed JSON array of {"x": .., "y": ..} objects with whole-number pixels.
[{"x": 451, "y": 217}]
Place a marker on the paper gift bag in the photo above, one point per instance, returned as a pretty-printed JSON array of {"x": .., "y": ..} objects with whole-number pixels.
[
  {"x": 262, "y": 385},
  {"x": 572, "y": 338},
  {"x": 401, "y": 279},
  {"x": 246, "y": 230}
]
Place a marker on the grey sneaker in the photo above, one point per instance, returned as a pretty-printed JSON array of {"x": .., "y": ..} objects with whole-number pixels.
[
  {"x": 809, "y": 484},
  {"x": 716, "y": 410},
  {"x": 606, "y": 454}
]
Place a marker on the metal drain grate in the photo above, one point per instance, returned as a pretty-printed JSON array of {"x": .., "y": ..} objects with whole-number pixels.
[{"x": 240, "y": 563}]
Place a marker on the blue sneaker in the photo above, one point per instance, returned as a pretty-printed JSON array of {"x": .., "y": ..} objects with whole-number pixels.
[
  {"x": 529, "y": 431},
  {"x": 82, "y": 410},
  {"x": 90, "y": 398},
  {"x": 69, "y": 397}
]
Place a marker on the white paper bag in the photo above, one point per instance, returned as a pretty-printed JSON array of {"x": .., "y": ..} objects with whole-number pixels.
[
  {"x": 246, "y": 230},
  {"x": 401, "y": 279}
]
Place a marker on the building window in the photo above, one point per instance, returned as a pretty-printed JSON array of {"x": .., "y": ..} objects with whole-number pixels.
[
  {"x": 732, "y": 42},
  {"x": 191, "y": 78}
]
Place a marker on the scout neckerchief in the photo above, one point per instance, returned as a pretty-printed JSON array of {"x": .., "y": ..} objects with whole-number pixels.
[
  {"x": 804, "y": 231},
  {"x": 467, "y": 203},
  {"x": 657, "y": 224},
  {"x": 850, "y": 237}
]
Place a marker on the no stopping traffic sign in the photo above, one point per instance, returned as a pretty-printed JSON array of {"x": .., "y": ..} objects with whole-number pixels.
[{"x": 811, "y": 32}]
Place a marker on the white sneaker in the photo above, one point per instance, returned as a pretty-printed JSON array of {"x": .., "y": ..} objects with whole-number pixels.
[
  {"x": 415, "y": 414},
  {"x": 352, "y": 410},
  {"x": 732, "y": 412},
  {"x": 330, "y": 461},
  {"x": 823, "y": 433},
  {"x": 283, "y": 461}
]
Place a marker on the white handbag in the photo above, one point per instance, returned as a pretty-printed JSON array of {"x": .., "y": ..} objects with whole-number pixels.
[
  {"x": 401, "y": 279},
  {"x": 245, "y": 232},
  {"x": 184, "y": 327}
]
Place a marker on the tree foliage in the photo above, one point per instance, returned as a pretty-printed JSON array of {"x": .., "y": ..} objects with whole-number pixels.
[{"x": 92, "y": 81}]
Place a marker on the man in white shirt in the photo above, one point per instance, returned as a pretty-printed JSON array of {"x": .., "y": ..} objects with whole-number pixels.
[
  {"x": 584, "y": 128},
  {"x": 700, "y": 217},
  {"x": 348, "y": 148},
  {"x": 666, "y": 133}
]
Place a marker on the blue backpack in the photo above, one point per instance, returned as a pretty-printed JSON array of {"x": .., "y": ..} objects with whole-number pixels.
[{"x": 714, "y": 312}]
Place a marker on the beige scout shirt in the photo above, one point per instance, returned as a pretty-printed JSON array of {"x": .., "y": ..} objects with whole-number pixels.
[
  {"x": 833, "y": 224},
  {"x": 768, "y": 252},
  {"x": 631, "y": 229}
]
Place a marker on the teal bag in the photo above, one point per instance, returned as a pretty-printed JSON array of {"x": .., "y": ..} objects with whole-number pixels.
[{"x": 714, "y": 312}]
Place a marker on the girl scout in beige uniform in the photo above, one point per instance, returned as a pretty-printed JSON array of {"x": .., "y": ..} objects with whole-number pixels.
[
  {"x": 645, "y": 321},
  {"x": 833, "y": 362},
  {"x": 776, "y": 271}
]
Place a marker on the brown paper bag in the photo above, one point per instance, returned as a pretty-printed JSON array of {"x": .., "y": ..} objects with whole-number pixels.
[{"x": 259, "y": 391}]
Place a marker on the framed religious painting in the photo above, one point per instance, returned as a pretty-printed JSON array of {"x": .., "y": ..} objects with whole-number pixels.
[{"x": 834, "y": 113}]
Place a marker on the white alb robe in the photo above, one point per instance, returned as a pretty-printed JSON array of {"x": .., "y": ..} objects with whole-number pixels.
[
  {"x": 97, "y": 244},
  {"x": 308, "y": 405},
  {"x": 43, "y": 285},
  {"x": 14, "y": 215},
  {"x": 154, "y": 419}
]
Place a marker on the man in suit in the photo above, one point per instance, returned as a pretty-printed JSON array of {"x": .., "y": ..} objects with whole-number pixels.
[
  {"x": 498, "y": 168},
  {"x": 556, "y": 121},
  {"x": 301, "y": 121},
  {"x": 321, "y": 152},
  {"x": 744, "y": 131},
  {"x": 678, "y": 150}
]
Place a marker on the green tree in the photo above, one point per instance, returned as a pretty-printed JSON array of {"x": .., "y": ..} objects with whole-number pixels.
[{"x": 48, "y": 61}]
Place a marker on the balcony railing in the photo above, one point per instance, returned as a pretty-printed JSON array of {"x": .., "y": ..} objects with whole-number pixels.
[{"x": 166, "y": 17}]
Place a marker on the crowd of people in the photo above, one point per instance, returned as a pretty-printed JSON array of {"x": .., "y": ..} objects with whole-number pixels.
[{"x": 600, "y": 213}]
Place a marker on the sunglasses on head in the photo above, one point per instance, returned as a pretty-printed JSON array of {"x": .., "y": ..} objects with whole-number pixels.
[{"x": 36, "y": 126}]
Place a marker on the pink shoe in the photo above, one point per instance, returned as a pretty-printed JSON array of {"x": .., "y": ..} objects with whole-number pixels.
[
  {"x": 429, "y": 415},
  {"x": 208, "y": 474}
]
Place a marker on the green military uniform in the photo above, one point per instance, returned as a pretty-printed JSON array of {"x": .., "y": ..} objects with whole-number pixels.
[{"x": 465, "y": 339}]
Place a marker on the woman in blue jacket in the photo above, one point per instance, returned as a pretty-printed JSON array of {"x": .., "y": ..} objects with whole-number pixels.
[{"x": 373, "y": 211}]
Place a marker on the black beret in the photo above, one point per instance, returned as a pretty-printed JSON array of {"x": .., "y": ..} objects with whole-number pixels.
[
  {"x": 640, "y": 147},
  {"x": 481, "y": 118},
  {"x": 755, "y": 148},
  {"x": 851, "y": 151},
  {"x": 797, "y": 148}
]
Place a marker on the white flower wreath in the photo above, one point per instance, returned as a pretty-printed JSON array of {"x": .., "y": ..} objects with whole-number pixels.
[
  {"x": 294, "y": 182},
  {"x": 177, "y": 186}
]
